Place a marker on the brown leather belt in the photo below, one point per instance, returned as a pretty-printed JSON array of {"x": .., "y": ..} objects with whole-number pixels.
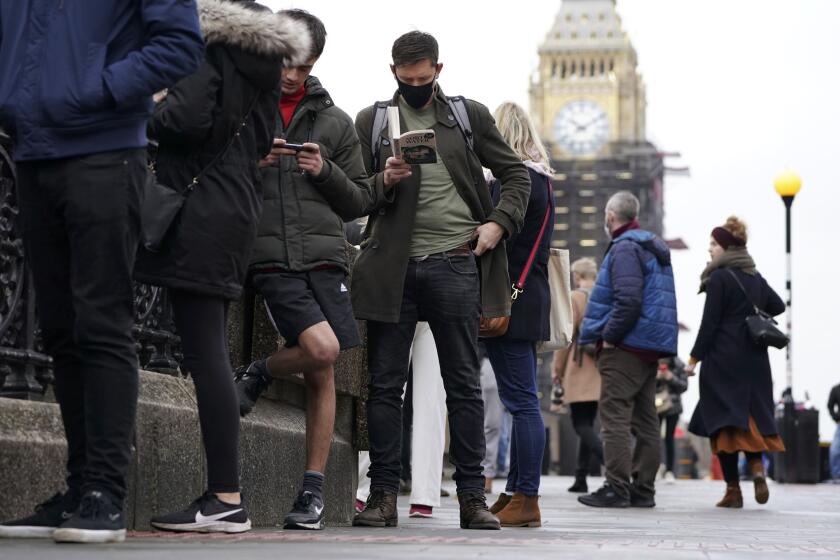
[{"x": 460, "y": 251}]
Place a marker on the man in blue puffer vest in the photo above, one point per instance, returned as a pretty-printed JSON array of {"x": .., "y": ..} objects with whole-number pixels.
[
  {"x": 76, "y": 85},
  {"x": 632, "y": 316}
]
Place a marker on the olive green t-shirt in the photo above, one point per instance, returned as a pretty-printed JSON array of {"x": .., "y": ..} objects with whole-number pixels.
[{"x": 443, "y": 220}]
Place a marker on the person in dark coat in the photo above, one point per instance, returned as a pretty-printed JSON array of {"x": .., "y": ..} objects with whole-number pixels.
[
  {"x": 76, "y": 85},
  {"x": 736, "y": 407},
  {"x": 227, "y": 107},
  {"x": 514, "y": 355},
  {"x": 671, "y": 382}
]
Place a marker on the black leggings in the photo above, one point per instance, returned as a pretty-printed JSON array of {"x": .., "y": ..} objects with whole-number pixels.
[
  {"x": 670, "y": 450},
  {"x": 729, "y": 464},
  {"x": 202, "y": 325},
  {"x": 583, "y": 420}
]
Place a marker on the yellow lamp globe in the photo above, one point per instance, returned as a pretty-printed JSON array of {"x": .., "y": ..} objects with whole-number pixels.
[{"x": 787, "y": 184}]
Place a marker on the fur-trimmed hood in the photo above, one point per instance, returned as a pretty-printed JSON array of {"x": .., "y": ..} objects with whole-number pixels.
[{"x": 258, "y": 32}]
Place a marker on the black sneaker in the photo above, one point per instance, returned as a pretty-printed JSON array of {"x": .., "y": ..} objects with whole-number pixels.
[
  {"x": 307, "y": 513},
  {"x": 98, "y": 520},
  {"x": 46, "y": 519},
  {"x": 605, "y": 497},
  {"x": 250, "y": 383},
  {"x": 207, "y": 514},
  {"x": 639, "y": 499}
]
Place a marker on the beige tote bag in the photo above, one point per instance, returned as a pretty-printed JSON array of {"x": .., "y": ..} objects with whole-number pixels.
[{"x": 559, "y": 283}]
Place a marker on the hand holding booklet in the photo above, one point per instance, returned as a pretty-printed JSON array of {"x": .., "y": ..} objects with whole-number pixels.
[{"x": 414, "y": 147}]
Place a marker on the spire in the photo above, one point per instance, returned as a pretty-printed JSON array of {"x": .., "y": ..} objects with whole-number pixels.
[{"x": 585, "y": 25}]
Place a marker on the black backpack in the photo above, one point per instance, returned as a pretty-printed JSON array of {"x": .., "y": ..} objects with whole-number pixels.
[{"x": 457, "y": 105}]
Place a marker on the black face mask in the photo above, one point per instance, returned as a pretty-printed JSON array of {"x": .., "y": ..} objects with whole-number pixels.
[{"x": 416, "y": 96}]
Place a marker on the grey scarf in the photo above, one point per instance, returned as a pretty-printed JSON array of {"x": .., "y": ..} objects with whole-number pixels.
[{"x": 734, "y": 257}]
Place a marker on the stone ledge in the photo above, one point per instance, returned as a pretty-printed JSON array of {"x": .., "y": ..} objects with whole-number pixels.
[{"x": 168, "y": 470}]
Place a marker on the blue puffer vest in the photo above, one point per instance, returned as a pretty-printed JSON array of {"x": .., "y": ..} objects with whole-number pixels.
[{"x": 626, "y": 308}]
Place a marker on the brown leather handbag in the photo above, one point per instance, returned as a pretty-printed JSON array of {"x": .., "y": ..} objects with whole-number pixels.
[{"x": 492, "y": 327}]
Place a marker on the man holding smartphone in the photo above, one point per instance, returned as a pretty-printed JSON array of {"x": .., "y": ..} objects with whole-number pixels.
[{"x": 313, "y": 181}]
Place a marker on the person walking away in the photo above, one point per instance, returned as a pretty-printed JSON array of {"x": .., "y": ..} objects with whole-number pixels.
[
  {"x": 299, "y": 263},
  {"x": 834, "y": 450},
  {"x": 632, "y": 317},
  {"x": 428, "y": 227},
  {"x": 671, "y": 382},
  {"x": 76, "y": 85},
  {"x": 575, "y": 370},
  {"x": 220, "y": 117},
  {"x": 514, "y": 354},
  {"x": 736, "y": 409}
]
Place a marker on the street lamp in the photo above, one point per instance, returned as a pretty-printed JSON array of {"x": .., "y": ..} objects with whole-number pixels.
[{"x": 787, "y": 185}]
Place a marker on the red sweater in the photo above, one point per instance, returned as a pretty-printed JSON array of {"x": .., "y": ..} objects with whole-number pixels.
[{"x": 288, "y": 104}]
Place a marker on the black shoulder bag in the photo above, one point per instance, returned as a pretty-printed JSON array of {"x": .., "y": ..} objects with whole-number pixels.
[
  {"x": 762, "y": 327},
  {"x": 162, "y": 204}
]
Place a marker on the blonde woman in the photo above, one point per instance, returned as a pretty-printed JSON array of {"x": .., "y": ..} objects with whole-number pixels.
[
  {"x": 576, "y": 372},
  {"x": 514, "y": 356}
]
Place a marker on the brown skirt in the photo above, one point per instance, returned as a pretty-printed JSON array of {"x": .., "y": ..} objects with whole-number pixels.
[{"x": 733, "y": 440}]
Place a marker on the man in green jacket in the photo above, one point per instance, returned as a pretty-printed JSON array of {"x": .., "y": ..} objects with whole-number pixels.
[
  {"x": 430, "y": 225},
  {"x": 299, "y": 264}
]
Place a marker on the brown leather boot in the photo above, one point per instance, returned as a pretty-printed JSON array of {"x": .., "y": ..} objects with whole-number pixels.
[
  {"x": 500, "y": 503},
  {"x": 733, "y": 497},
  {"x": 762, "y": 492},
  {"x": 522, "y": 511},
  {"x": 474, "y": 512},
  {"x": 380, "y": 510}
]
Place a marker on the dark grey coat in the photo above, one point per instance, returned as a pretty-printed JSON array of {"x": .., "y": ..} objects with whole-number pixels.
[
  {"x": 735, "y": 377},
  {"x": 302, "y": 223}
]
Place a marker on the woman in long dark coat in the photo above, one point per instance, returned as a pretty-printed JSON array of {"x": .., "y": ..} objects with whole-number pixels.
[
  {"x": 514, "y": 356},
  {"x": 736, "y": 407},
  {"x": 222, "y": 117}
]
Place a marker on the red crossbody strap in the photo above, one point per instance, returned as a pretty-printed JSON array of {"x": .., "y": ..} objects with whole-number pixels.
[{"x": 519, "y": 287}]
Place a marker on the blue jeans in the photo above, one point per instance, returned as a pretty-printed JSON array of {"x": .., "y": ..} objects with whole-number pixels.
[
  {"x": 834, "y": 455},
  {"x": 515, "y": 365}
]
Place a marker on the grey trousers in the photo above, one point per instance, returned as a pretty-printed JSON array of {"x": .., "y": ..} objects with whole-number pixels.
[{"x": 628, "y": 408}]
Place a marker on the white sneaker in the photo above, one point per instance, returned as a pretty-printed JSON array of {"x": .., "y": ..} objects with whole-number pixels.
[{"x": 669, "y": 478}]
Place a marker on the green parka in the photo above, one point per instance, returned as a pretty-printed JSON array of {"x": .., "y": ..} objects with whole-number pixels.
[
  {"x": 379, "y": 271},
  {"x": 302, "y": 224}
]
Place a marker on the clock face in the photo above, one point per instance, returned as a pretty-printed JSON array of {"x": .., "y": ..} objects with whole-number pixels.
[{"x": 581, "y": 128}]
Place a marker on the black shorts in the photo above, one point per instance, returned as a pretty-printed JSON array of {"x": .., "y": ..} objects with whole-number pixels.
[{"x": 297, "y": 300}]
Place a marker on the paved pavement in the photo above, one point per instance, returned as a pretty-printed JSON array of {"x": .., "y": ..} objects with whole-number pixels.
[{"x": 799, "y": 522}]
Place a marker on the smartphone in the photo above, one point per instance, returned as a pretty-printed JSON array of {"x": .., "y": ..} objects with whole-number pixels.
[{"x": 289, "y": 146}]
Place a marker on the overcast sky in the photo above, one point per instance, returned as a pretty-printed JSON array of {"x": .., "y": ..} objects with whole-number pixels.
[{"x": 742, "y": 89}]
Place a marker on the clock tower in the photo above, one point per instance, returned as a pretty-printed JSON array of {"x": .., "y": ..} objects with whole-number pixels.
[
  {"x": 588, "y": 92},
  {"x": 588, "y": 102}
]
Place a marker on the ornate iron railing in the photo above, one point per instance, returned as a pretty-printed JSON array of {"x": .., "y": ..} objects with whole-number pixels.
[{"x": 25, "y": 370}]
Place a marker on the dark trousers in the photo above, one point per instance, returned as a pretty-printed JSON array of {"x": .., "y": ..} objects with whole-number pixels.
[
  {"x": 628, "y": 407},
  {"x": 670, "y": 448},
  {"x": 444, "y": 291},
  {"x": 202, "y": 325},
  {"x": 81, "y": 223},
  {"x": 583, "y": 421},
  {"x": 515, "y": 365}
]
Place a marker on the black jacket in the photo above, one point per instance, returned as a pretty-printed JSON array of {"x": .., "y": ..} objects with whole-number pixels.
[
  {"x": 676, "y": 386},
  {"x": 302, "y": 224},
  {"x": 735, "y": 377},
  {"x": 834, "y": 403},
  {"x": 207, "y": 251},
  {"x": 530, "y": 312}
]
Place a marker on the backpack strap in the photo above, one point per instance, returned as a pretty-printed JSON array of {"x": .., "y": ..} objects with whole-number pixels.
[
  {"x": 380, "y": 121},
  {"x": 458, "y": 106}
]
